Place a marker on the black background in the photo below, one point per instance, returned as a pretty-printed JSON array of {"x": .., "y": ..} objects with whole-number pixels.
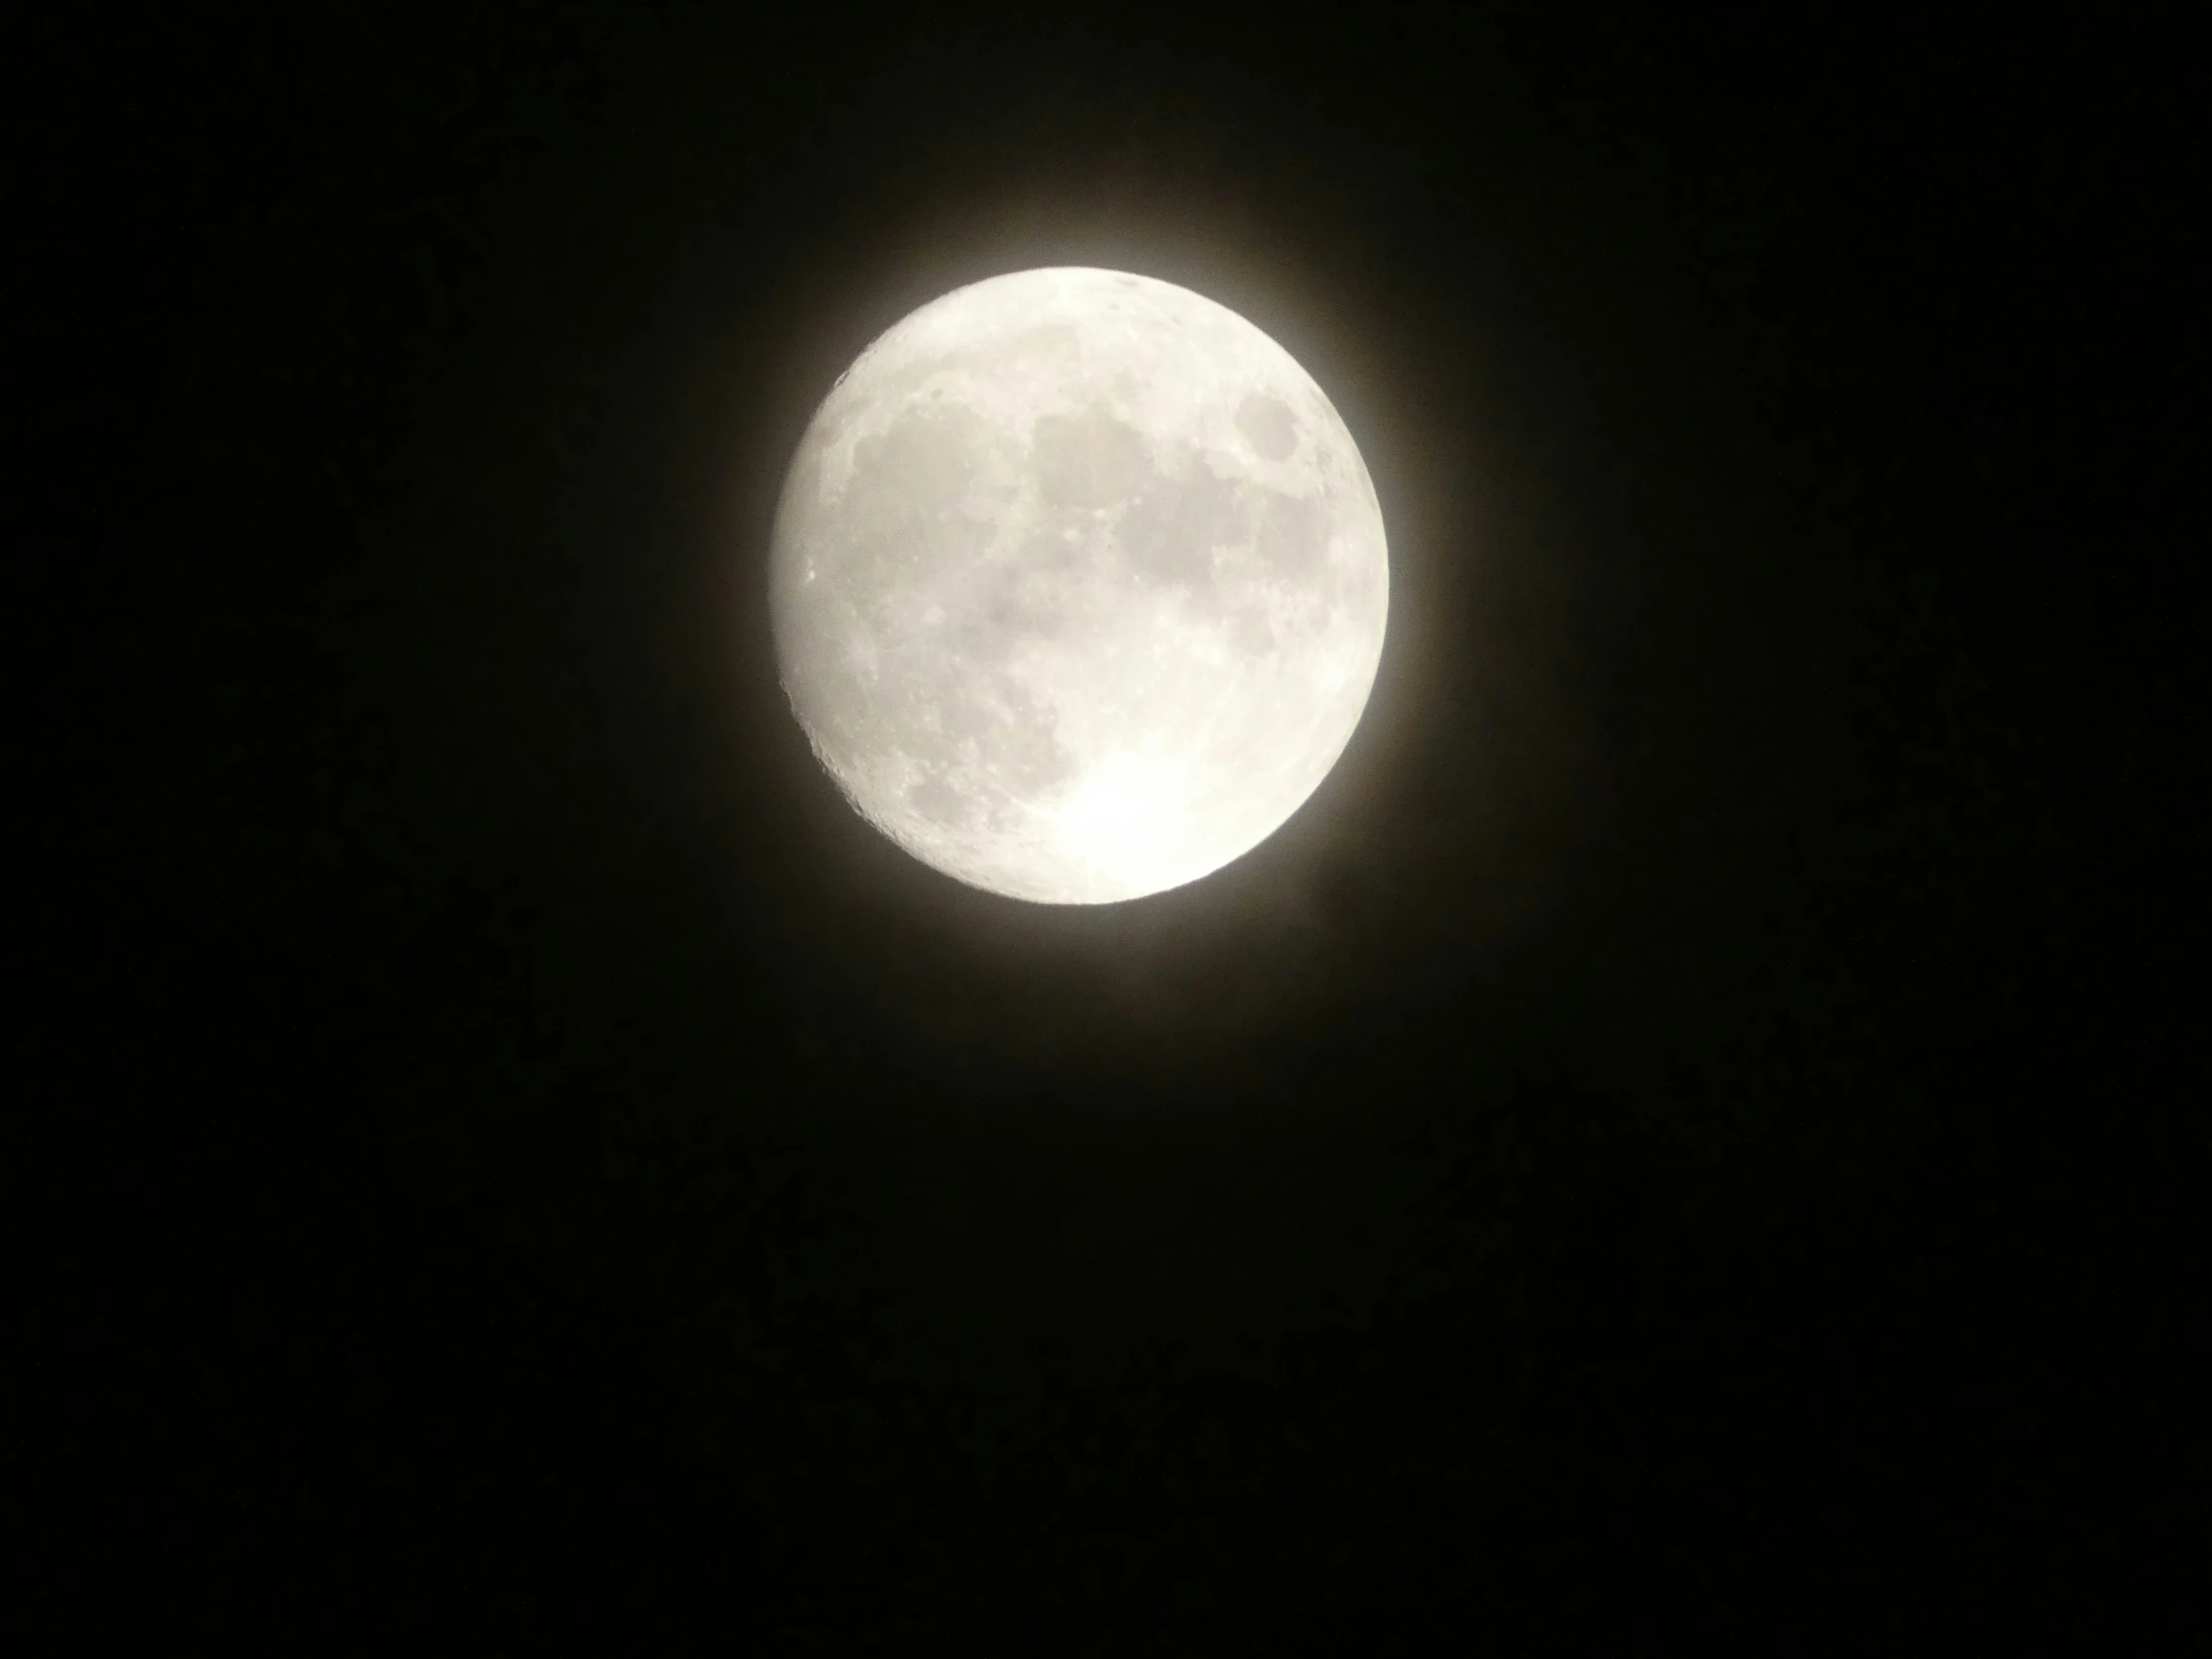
[{"x": 1669, "y": 1139}]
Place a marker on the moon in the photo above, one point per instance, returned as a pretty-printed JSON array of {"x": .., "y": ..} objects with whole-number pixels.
[{"x": 1078, "y": 585}]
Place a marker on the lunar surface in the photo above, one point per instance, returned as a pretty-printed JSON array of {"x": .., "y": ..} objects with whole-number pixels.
[{"x": 1078, "y": 584}]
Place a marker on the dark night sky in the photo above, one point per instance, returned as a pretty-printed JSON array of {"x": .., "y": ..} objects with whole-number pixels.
[{"x": 1652, "y": 1147}]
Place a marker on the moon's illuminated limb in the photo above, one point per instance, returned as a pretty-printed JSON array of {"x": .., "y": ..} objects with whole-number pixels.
[{"x": 1079, "y": 585}]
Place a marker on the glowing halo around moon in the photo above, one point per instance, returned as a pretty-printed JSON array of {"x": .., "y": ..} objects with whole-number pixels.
[{"x": 1078, "y": 584}]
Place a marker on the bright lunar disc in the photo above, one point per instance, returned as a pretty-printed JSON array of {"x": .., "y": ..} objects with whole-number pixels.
[{"x": 1079, "y": 585}]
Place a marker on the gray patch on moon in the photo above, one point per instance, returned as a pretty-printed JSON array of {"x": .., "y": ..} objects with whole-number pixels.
[
  {"x": 1169, "y": 532},
  {"x": 1268, "y": 426},
  {"x": 1087, "y": 459},
  {"x": 1292, "y": 537}
]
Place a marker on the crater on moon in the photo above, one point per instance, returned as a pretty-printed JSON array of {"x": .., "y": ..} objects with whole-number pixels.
[{"x": 1079, "y": 585}]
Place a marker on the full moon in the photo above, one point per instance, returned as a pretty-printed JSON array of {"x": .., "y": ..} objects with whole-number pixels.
[{"x": 1078, "y": 585}]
